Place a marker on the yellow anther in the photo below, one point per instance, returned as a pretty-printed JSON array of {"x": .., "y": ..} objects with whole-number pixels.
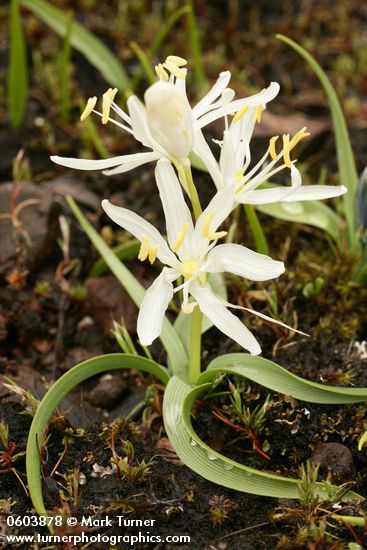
[
  {"x": 286, "y": 151},
  {"x": 257, "y": 114},
  {"x": 272, "y": 149},
  {"x": 107, "y": 99},
  {"x": 206, "y": 229},
  {"x": 187, "y": 269},
  {"x": 178, "y": 61},
  {"x": 153, "y": 251},
  {"x": 161, "y": 72},
  {"x": 181, "y": 237},
  {"x": 298, "y": 137},
  {"x": 147, "y": 250},
  {"x": 239, "y": 176},
  {"x": 91, "y": 103},
  {"x": 176, "y": 71},
  {"x": 241, "y": 112}
]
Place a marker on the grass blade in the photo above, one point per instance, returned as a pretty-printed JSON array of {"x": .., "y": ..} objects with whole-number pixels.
[
  {"x": 276, "y": 378},
  {"x": 179, "y": 398},
  {"x": 157, "y": 41},
  {"x": 144, "y": 62},
  {"x": 169, "y": 337},
  {"x": 65, "y": 70},
  {"x": 56, "y": 394},
  {"x": 18, "y": 71},
  {"x": 124, "y": 251},
  {"x": 82, "y": 40},
  {"x": 346, "y": 162},
  {"x": 195, "y": 47}
]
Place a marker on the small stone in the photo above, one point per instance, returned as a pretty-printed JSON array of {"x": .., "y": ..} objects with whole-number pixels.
[
  {"x": 335, "y": 459},
  {"x": 107, "y": 391}
]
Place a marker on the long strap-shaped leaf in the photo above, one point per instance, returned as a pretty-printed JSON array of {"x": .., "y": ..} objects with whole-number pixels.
[
  {"x": 273, "y": 376},
  {"x": 346, "y": 163},
  {"x": 82, "y": 40},
  {"x": 56, "y": 394},
  {"x": 172, "y": 343},
  {"x": 178, "y": 400}
]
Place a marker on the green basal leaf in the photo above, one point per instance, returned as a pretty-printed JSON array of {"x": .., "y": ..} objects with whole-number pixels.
[
  {"x": 274, "y": 377},
  {"x": 346, "y": 162},
  {"x": 124, "y": 251},
  {"x": 313, "y": 213},
  {"x": 56, "y": 394},
  {"x": 182, "y": 323},
  {"x": 18, "y": 71},
  {"x": 178, "y": 401},
  {"x": 176, "y": 352},
  {"x": 82, "y": 40}
]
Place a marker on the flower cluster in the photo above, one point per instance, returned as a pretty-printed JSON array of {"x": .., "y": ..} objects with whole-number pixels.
[{"x": 171, "y": 130}]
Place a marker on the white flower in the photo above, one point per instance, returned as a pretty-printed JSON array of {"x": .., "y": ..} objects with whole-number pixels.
[
  {"x": 235, "y": 160},
  {"x": 191, "y": 253},
  {"x": 166, "y": 124}
]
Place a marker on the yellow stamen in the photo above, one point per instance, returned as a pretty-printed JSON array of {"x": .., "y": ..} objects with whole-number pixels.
[
  {"x": 181, "y": 237},
  {"x": 257, "y": 115},
  {"x": 286, "y": 151},
  {"x": 187, "y": 269},
  {"x": 147, "y": 250},
  {"x": 239, "y": 176},
  {"x": 161, "y": 72},
  {"x": 176, "y": 71},
  {"x": 241, "y": 112},
  {"x": 298, "y": 137},
  {"x": 272, "y": 149},
  {"x": 178, "y": 61},
  {"x": 153, "y": 254},
  {"x": 107, "y": 99},
  {"x": 91, "y": 103},
  {"x": 206, "y": 229}
]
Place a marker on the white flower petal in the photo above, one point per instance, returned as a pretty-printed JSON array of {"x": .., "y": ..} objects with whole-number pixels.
[
  {"x": 237, "y": 259},
  {"x": 86, "y": 164},
  {"x": 139, "y": 123},
  {"x": 260, "y": 98},
  {"x": 141, "y": 229},
  {"x": 223, "y": 319},
  {"x": 203, "y": 151},
  {"x": 315, "y": 192},
  {"x": 154, "y": 305},
  {"x": 131, "y": 162},
  {"x": 170, "y": 118},
  {"x": 176, "y": 211},
  {"x": 216, "y": 90},
  {"x": 218, "y": 210},
  {"x": 228, "y": 165},
  {"x": 289, "y": 194},
  {"x": 295, "y": 177}
]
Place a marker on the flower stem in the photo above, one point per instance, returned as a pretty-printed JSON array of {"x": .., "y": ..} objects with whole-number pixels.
[
  {"x": 188, "y": 184},
  {"x": 195, "y": 345}
]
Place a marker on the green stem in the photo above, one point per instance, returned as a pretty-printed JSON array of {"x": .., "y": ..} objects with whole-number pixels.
[
  {"x": 196, "y": 316},
  {"x": 256, "y": 229},
  {"x": 195, "y": 345},
  {"x": 185, "y": 176}
]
